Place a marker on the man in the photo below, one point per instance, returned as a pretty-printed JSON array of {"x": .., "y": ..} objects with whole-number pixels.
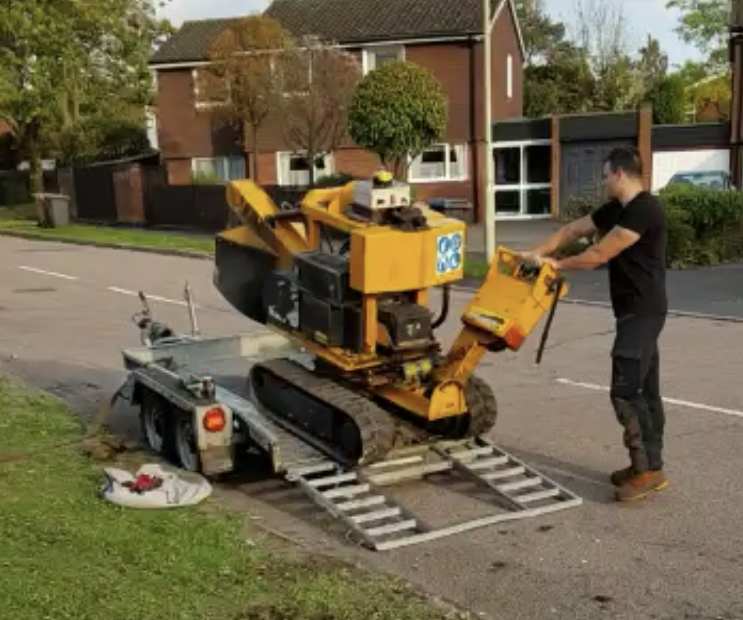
[{"x": 633, "y": 231}]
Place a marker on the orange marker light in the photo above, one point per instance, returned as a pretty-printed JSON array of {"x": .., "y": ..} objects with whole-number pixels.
[{"x": 214, "y": 420}]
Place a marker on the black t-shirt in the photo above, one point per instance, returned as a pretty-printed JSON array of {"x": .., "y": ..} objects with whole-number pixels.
[{"x": 637, "y": 276}]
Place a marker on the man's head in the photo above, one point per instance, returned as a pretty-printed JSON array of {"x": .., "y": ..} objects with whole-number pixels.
[{"x": 623, "y": 172}]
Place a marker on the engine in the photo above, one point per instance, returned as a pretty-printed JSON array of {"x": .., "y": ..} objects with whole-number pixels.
[{"x": 316, "y": 299}]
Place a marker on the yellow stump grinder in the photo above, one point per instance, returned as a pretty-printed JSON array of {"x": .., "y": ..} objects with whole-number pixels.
[{"x": 347, "y": 276}]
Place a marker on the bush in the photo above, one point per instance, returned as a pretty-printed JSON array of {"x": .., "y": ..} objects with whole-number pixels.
[
  {"x": 581, "y": 205},
  {"x": 705, "y": 226},
  {"x": 102, "y": 139},
  {"x": 334, "y": 180}
]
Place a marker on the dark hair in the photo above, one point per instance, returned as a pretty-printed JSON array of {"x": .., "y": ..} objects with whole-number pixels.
[{"x": 627, "y": 159}]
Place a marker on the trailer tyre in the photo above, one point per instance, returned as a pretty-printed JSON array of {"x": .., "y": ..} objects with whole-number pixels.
[
  {"x": 157, "y": 425},
  {"x": 184, "y": 435}
]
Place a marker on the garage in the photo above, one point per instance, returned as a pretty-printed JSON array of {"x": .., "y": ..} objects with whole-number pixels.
[{"x": 667, "y": 163}]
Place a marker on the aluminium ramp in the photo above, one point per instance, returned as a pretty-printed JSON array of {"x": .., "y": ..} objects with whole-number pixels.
[{"x": 357, "y": 498}]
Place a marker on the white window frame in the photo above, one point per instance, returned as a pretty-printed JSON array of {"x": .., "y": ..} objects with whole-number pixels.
[
  {"x": 448, "y": 177},
  {"x": 280, "y": 180},
  {"x": 224, "y": 160},
  {"x": 523, "y": 186},
  {"x": 509, "y": 76},
  {"x": 368, "y": 52}
]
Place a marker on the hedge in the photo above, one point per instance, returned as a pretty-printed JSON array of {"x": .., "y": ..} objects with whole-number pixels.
[{"x": 705, "y": 227}]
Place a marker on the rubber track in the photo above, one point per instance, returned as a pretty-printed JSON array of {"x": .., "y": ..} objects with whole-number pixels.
[
  {"x": 377, "y": 427},
  {"x": 483, "y": 408}
]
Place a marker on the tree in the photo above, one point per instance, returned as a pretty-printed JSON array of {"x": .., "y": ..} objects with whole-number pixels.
[
  {"x": 397, "y": 111},
  {"x": 652, "y": 66},
  {"x": 52, "y": 50},
  {"x": 711, "y": 97},
  {"x": 241, "y": 83},
  {"x": 668, "y": 98},
  {"x": 601, "y": 31},
  {"x": 318, "y": 81},
  {"x": 703, "y": 24}
]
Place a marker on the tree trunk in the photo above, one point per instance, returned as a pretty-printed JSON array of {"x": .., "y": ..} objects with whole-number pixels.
[
  {"x": 311, "y": 163},
  {"x": 33, "y": 150},
  {"x": 254, "y": 153}
]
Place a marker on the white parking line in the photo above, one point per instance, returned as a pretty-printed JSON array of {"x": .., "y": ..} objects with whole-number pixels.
[
  {"x": 47, "y": 273},
  {"x": 123, "y": 291},
  {"x": 671, "y": 401}
]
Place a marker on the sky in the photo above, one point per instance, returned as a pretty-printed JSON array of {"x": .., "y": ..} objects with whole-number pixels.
[{"x": 641, "y": 14}]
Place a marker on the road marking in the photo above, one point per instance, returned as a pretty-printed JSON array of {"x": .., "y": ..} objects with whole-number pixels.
[
  {"x": 123, "y": 291},
  {"x": 47, "y": 273},
  {"x": 671, "y": 401}
]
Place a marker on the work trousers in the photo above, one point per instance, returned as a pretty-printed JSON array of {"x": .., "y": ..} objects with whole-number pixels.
[{"x": 635, "y": 389}]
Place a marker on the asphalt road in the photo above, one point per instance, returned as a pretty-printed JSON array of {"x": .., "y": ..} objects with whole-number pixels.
[
  {"x": 710, "y": 291},
  {"x": 64, "y": 313}
]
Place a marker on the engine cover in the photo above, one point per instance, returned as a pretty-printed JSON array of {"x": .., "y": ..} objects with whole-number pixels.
[
  {"x": 409, "y": 324},
  {"x": 326, "y": 276}
]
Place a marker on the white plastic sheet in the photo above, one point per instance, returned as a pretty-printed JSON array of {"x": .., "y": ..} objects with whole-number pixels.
[{"x": 162, "y": 488}]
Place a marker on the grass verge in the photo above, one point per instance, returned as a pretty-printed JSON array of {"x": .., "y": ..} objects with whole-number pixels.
[
  {"x": 67, "y": 554},
  {"x": 20, "y": 221}
]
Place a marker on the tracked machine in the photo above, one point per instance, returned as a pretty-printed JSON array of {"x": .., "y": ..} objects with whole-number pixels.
[{"x": 347, "y": 276}]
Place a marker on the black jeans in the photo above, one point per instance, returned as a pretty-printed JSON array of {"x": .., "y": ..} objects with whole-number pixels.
[{"x": 635, "y": 389}]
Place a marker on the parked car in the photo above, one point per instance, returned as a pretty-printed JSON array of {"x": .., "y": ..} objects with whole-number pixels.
[{"x": 711, "y": 179}]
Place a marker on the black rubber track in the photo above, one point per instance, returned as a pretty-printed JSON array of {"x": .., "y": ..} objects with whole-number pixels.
[{"x": 375, "y": 428}]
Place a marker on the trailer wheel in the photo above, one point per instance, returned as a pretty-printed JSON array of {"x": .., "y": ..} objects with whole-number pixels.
[
  {"x": 156, "y": 424},
  {"x": 185, "y": 441}
]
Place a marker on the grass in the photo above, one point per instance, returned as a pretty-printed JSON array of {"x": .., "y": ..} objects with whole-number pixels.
[
  {"x": 20, "y": 220},
  {"x": 67, "y": 554}
]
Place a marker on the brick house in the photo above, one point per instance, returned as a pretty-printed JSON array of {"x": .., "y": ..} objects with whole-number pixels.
[{"x": 441, "y": 35}]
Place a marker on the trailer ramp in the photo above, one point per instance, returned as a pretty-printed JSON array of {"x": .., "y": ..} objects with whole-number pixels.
[{"x": 357, "y": 497}]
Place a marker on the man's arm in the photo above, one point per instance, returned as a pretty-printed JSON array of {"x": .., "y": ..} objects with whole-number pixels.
[
  {"x": 615, "y": 242},
  {"x": 577, "y": 229}
]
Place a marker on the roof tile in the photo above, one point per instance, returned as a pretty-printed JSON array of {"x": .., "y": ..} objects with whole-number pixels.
[{"x": 344, "y": 22}]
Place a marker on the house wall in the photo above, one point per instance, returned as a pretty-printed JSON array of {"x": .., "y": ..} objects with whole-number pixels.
[{"x": 185, "y": 132}]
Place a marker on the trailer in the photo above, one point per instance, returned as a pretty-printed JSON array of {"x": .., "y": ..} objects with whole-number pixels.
[{"x": 197, "y": 409}]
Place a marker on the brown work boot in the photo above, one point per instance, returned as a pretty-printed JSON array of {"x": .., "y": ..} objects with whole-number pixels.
[
  {"x": 639, "y": 486},
  {"x": 619, "y": 477}
]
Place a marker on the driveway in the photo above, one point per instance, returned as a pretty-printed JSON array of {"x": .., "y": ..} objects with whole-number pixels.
[{"x": 64, "y": 314}]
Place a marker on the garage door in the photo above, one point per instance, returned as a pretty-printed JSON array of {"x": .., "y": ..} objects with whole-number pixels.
[
  {"x": 582, "y": 166},
  {"x": 667, "y": 163}
]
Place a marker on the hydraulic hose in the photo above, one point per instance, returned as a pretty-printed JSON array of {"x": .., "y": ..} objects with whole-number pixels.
[{"x": 444, "y": 313}]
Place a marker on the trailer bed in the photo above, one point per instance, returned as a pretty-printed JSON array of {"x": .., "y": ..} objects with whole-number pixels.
[{"x": 227, "y": 362}]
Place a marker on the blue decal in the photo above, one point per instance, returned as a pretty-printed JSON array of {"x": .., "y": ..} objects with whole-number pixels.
[{"x": 449, "y": 253}]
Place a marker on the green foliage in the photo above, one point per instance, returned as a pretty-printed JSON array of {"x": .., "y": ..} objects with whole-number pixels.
[
  {"x": 397, "y": 111},
  {"x": 62, "y": 58},
  {"x": 668, "y": 100},
  {"x": 705, "y": 227},
  {"x": 102, "y": 139},
  {"x": 703, "y": 24},
  {"x": 580, "y": 205}
]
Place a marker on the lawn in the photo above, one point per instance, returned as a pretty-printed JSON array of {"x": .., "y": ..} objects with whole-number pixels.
[
  {"x": 20, "y": 220},
  {"x": 67, "y": 554}
]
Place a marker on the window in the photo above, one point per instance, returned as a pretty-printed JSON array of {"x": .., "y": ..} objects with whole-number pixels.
[
  {"x": 218, "y": 169},
  {"x": 523, "y": 178},
  {"x": 294, "y": 168},
  {"x": 509, "y": 76},
  {"x": 374, "y": 57},
  {"x": 209, "y": 88},
  {"x": 443, "y": 162}
]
